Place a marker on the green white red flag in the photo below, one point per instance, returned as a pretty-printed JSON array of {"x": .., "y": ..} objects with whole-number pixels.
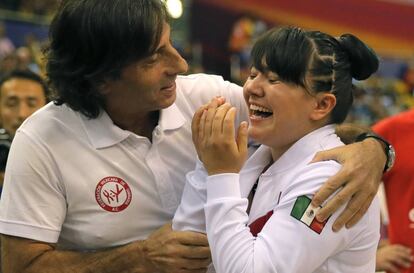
[{"x": 303, "y": 211}]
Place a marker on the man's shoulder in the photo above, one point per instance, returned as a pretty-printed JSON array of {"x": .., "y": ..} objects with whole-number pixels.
[
  {"x": 192, "y": 78},
  {"x": 48, "y": 118},
  {"x": 204, "y": 83},
  {"x": 198, "y": 89}
]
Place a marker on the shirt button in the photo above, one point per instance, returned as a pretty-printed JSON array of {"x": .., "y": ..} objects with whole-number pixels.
[{"x": 157, "y": 131}]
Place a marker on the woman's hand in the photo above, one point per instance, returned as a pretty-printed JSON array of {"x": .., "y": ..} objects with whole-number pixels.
[
  {"x": 393, "y": 257},
  {"x": 215, "y": 140}
]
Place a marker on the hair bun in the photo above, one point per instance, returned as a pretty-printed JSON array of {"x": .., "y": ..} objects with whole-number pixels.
[{"x": 364, "y": 61}]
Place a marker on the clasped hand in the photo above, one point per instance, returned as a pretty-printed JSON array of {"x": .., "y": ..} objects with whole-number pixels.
[{"x": 215, "y": 139}]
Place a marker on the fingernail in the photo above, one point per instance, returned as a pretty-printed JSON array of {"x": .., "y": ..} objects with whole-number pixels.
[
  {"x": 348, "y": 226},
  {"x": 320, "y": 218},
  {"x": 244, "y": 126},
  {"x": 336, "y": 228}
]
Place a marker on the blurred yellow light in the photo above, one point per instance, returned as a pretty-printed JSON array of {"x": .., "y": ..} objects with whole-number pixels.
[{"x": 174, "y": 8}]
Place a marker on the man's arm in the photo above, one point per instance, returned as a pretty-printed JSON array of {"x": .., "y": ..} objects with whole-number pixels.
[
  {"x": 349, "y": 132},
  {"x": 363, "y": 164},
  {"x": 164, "y": 251},
  {"x": 27, "y": 256}
]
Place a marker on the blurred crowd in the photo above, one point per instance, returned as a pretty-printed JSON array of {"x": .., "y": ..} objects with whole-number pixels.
[
  {"x": 375, "y": 99},
  {"x": 38, "y": 7},
  {"x": 380, "y": 97},
  {"x": 27, "y": 56}
]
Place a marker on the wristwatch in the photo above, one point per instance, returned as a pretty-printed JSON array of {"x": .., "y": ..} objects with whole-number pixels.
[{"x": 389, "y": 149}]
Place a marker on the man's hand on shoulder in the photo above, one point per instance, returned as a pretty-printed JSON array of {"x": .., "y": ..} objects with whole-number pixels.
[{"x": 360, "y": 176}]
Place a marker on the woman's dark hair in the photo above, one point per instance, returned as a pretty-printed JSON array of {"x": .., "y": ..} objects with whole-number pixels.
[
  {"x": 92, "y": 41},
  {"x": 316, "y": 61}
]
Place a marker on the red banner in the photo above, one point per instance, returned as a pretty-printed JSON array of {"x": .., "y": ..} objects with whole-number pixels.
[{"x": 388, "y": 26}]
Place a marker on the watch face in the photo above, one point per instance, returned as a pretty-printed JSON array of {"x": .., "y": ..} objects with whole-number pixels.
[{"x": 391, "y": 157}]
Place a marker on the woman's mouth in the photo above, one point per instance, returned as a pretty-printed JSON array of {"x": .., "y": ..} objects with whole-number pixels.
[{"x": 259, "y": 112}]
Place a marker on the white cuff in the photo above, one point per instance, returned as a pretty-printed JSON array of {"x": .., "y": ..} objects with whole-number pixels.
[{"x": 223, "y": 185}]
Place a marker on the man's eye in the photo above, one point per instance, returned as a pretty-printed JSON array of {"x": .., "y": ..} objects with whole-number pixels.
[
  {"x": 153, "y": 58},
  {"x": 11, "y": 103},
  {"x": 252, "y": 76},
  {"x": 32, "y": 103}
]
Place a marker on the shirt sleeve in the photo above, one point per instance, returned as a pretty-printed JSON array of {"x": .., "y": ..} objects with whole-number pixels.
[
  {"x": 234, "y": 94},
  {"x": 190, "y": 213},
  {"x": 33, "y": 203},
  {"x": 285, "y": 244}
]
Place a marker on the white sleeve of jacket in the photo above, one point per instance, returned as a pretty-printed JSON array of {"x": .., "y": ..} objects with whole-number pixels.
[{"x": 190, "y": 213}]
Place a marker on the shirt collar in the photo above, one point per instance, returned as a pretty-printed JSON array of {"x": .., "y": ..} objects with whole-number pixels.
[
  {"x": 171, "y": 118},
  {"x": 102, "y": 132},
  {"x": 303, "y": 148}
]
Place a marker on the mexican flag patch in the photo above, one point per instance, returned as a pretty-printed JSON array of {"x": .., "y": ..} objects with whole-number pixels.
[{"x": 304, "y": 212}]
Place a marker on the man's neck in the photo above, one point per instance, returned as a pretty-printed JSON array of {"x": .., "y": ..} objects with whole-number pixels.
[{"x": 140, "y": 124}]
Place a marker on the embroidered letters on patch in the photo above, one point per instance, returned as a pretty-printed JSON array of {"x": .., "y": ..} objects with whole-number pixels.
[{"x": 113, "y": 194}]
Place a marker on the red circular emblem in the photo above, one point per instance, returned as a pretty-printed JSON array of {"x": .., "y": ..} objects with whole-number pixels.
[{"x": 113, "y": 194}]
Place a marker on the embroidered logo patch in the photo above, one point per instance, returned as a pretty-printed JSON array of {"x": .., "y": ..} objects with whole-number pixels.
[
  {"x": 304, "y": 212},
  {"x": 113, "y": 194}
]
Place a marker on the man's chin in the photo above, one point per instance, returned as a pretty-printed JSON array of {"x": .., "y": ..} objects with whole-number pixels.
[{"x": 169, "y": 100}]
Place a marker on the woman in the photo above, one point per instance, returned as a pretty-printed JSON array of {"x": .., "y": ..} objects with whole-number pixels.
[{"x": 258, "y": 215}]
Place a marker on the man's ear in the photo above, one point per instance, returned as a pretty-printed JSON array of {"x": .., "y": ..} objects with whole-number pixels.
[{"x": 324, "y": 103}]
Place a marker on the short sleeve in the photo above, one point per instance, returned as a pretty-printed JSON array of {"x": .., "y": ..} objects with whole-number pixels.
[{"x": 33, "y": 202}]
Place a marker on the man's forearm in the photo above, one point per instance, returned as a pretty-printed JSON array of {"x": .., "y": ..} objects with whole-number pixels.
[
  {"x": 348, "y": 132},
  {"x": 24, "y": 256}
]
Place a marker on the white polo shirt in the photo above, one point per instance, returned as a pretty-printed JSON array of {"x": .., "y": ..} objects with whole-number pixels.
[
  {"x": 280, "y": 234},
  {"x": 88, "y": 184}
]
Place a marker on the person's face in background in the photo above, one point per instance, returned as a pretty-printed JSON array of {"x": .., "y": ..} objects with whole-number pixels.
[{"x": 19, "y": 98}]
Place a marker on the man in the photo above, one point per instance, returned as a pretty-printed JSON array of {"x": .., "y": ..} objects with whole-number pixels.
[
  {"x": 21, "y": 94},
  {"x": 94, "y": 179},
  {"x": 397, "y": 255}
]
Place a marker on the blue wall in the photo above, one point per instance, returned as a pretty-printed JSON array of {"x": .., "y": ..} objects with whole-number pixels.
[{"x": 17, "y": 31}]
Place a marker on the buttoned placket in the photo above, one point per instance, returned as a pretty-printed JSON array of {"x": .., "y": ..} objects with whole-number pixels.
[{"x": 169, "y": 200}]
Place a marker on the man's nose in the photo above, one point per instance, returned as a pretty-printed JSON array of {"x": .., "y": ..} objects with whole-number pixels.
[
  {"x": 177, "y": 65},
  {"x": 24, "y": 111}
]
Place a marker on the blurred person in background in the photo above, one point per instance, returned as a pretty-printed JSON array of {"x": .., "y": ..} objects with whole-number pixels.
[
  {"x": 25, "y": 60},
  {"x": 396, "y": 254},
  {"x": 6, "y": 45},
  {"x": 22, "y": 92},
  {"x": 39, "y": 7},
  {"x": 8, "y": 63},
  {"x": 121, "y": 108}
]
